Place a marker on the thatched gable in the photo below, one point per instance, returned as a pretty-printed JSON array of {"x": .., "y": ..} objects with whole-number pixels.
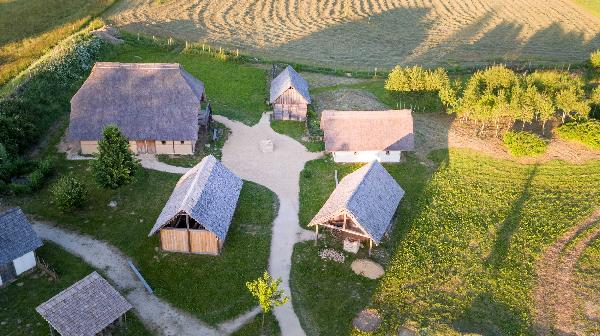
[
  {"x": 17, "y": 237},
  {"x": 85, "y": 308},
  {"x": 208, "y": 193},
  {"x": 287, "y": 79},
  {"x": 147, "y": 101},
  {"x": 369, "y": 196},
  {"x": 390, "y": 130}
]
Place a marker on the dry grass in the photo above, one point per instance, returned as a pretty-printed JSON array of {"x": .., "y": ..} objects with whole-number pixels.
[{"x": 376, "y": 33}]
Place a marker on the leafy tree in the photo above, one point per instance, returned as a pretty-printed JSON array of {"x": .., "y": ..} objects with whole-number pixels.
[
  {"x": 572, "y": 104},
  {"x": 595, "y": 59},
  {"x": 69, "y": 193},
  {"x": 266, "y": 291},
  {"x": 114, "y": 165}
]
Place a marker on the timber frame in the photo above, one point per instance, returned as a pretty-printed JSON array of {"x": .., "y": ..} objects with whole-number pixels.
[{"x": 347, "y": 224}]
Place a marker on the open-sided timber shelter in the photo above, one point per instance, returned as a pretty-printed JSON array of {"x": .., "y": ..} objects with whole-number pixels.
[
  {"x": 364, "y": 136},
  {"x": 197, "y": 216},
  {"x": 158, "y": 106},
  {"x": 18, "y": 243},
  {"x": 362, "y": 205},
  {"x": 289, "y": 95},
  {"x": 89, "y": 307}
]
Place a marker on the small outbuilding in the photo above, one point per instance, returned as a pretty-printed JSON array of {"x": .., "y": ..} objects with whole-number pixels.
[
  {"x": 197, "y": 216},
  {"x": 289, "y": 95},
  {"x": 18, "y": 243},
  {"x": 364, "y": 136},
  {"x": 90, "y": 307},
  {"x": 158, "y": 106},
  {"x": 362, "y": 205}
]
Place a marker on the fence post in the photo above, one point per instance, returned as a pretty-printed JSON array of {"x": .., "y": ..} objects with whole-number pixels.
[{"x": 336, "y": 178}]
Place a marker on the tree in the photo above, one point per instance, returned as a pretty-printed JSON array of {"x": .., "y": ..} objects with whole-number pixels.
[
  {"x": 572, "y": 104},
  {"x": 69, "y": 193},
  {"x": 595, "y": 59},
  {"x": 266, "y": 291},
  {"x": 114, "y": 165}
]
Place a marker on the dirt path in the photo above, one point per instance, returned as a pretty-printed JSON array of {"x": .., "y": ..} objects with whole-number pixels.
[
  {"x": 280, "y": 172},
  {"x": 155, "y": 313},
  {"x": 554, "y": 296}
]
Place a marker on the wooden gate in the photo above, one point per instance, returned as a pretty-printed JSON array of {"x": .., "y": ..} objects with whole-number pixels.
[
  {"x": 141, "y": 147},
  {"x": 174, "y": 240},
  {"x": 150, "y": 146},
  {"x": 203, "y": 241}
]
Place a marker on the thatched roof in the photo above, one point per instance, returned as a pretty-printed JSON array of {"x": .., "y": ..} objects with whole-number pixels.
[
  {"x": 368, "y": 130},
  {"x": 287, "y": 79},
  {"x": 85, "y": 308},
  {"x": 208, "y": 193},
  {"x": 17, "y": 237},
  {"x": 369, "y": 196},
  {"x": 147, "y": 101}
]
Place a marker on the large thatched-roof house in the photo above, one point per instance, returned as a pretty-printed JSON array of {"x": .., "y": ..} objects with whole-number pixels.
[
  {"x": 364, "y": 136},
  {"x": 289, "y": 95},
  {"x": 89, "y": 307},
  {"x": 362, "y": 205},
  {"x": 197, "y": 216},
  {"x": 18, "y": 243},
  {"x": 158, "y": 106}
]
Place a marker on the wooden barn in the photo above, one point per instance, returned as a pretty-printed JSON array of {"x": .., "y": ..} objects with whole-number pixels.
[
  {"x": 362, "y": 205},
  {"x": 159, "y": 107},
  {"x": 289, "y": 96},
  {"x": 18, "y": 243},
  {"x": 197, "y": 216},
  {"x": 364, "y": 136},
  {"x": 89, "y": 307}
]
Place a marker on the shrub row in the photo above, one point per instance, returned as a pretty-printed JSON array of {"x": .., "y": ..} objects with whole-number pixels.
[
  {"x": 587, "y": 133},
  {"x": 524, "y": 143}
]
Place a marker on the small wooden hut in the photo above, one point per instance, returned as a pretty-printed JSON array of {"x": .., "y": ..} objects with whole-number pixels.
[
  {"x": 364, "y": 136},
  {"x": 89, "y": 307},
  {"x": 362, "y": 206},
  {"x": 18, "y": 243},
  {"x": 197, "y": 216},
  {"x": 289, "y": 95},
  {"x": 158, "y": 106}
]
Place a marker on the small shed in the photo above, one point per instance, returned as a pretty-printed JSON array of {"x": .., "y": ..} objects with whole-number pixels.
[
  {"x": 362, "y": 205},
  {"x": 364, "y": 136},
  {"x": 197, "y": 216},
  {"x": 18, "y": 243},
  {"x": 289, "y": 95},
  {"x": 89, "y": 307}
]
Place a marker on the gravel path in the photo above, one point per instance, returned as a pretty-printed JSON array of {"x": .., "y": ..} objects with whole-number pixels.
[
  {"x": 155, "y": 313},
  {"x": 554, "y": 296},
  {"x": 280, "y": 172}
]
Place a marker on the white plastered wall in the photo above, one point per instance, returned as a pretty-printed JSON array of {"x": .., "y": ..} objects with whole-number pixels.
[
  {"x": 367, "y": 156},
  {"x": 24, "y": 263}
]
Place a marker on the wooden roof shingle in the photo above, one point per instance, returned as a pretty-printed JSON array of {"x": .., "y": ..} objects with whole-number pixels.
[
  {"x": 369, "y": 195},
  {"x": 85, "y": 308},
  {"x": 287, "y": 79},
  {"x": 17, "y": 237}
]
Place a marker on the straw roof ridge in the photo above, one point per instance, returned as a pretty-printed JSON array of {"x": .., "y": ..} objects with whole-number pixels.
[
  {"x": 17, "y": 236},
  {"x": 287, "y": 79}
]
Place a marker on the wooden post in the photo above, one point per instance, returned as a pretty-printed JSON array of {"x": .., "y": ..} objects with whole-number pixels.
[
  {"x": 237, "y": 52},
  {"x": 370, "y": 246},
  {"x": 336, "y": 178},
  {"x": 189, "y": 236},
  {"x": 317, "y": 234},
  {"x": 345, "y": 218}
]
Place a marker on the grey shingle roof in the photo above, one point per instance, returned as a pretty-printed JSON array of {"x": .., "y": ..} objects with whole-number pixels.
[
  {"x": 17, "y": 237},
  {"x": 85, "y": 308},
  {"x": 147, "y": 101},
  {"x": 208, "y": 193},
  {"x": 369, "y": 195},
  {"x": 289, "y": 78},
  {"x": 367, "y": 130}
]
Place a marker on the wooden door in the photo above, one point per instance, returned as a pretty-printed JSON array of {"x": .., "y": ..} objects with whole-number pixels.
[
  {"x": 203, "y": 241},
  {"x": 150, "y": 146},
  {"x": 141, "y": 147}
]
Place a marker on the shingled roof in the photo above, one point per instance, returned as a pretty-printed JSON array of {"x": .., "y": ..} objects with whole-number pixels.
[
  {"x": 354, "y": 131},
  {"x": 147, "y": 101},
  {"x": 369, "y": 196},
  {"x": 84, "y": 309},
  {"x": 289, "y": 78},
  {"x": 17, "y": 237},
  {"x": 208, "y": 193}
]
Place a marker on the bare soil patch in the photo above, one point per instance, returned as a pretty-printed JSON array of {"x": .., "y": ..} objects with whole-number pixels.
[
  {"x": 554, "y": 295},
  {"x": 367, "y": 268},
  {"x": 367, "y": 320},
  {"x": 347, "y": 99}
]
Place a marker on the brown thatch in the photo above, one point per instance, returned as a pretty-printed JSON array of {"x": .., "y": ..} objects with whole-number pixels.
[{"x": 390, "y": 130}]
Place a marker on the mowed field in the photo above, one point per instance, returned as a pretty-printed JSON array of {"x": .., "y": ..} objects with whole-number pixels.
[{"x": 362, "y": 34}]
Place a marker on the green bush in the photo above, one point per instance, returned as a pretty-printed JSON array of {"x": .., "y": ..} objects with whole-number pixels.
[
  {"x": 587, "y": 133},
  {"x": 595, "y": 59},
  {"x": 69, "y": 193},
  {"x": 524, "y": 143}
]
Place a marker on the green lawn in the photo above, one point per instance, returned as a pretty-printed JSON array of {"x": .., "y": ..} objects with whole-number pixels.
[
  {"x": 463, "y": 250},
  {"x": 253, "y": 328},
  {"x": 30, "y": 28},
  {"x": 592, "y": 6},
  {"x": 588, "y": 285},
  {"x": 297, "y": 131},
  {"x": 17, "y": 303},
  {"x": 212, "y": 288},
  {"x": 235, "y": 90}
]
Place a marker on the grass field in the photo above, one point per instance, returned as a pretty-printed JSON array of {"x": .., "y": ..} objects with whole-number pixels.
[
  {"x": 463, "y": 251},
  {"x": 30, "y": 28},
  {"x": 592, "y": 6},
  {"x": 19, "y": 299},
  {"x": 361, "y": 34},
  {"x": 588, "y": 284}
]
